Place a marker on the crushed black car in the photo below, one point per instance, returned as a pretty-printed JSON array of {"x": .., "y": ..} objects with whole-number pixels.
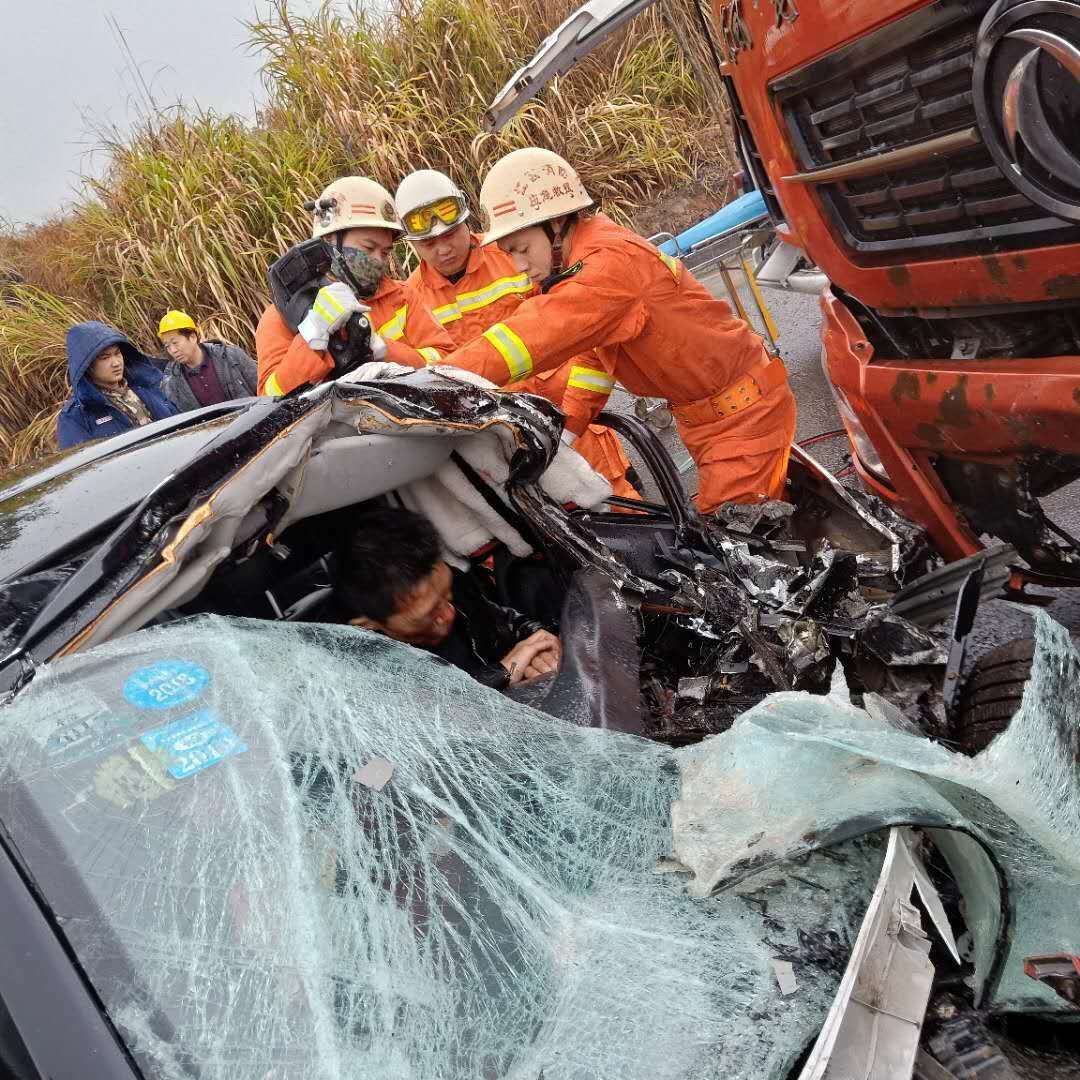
[
  {"x": 728, "y": 607},
  {"x": 240, "y": 841}
]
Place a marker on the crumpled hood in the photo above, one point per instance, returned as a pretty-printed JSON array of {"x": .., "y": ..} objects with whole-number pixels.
[{"x": 85, "y": 342}]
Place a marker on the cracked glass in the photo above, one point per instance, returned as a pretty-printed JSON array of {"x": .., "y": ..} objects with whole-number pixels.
[{"x": 286, "y": 850}]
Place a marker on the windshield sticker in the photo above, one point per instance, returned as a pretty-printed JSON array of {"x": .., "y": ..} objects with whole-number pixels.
[
  {"x": 165, "y": 684},
  {"x": 82, "y": 737},
  {"x": 188, "y": 746},
  {"x": 130, "y": 777},
  {"x": 80, "y": 723}
]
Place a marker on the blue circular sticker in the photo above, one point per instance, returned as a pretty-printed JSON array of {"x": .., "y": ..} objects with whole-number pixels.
[{"x": 165, "y": 684}]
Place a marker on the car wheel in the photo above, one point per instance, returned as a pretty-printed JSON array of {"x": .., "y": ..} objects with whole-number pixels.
[{"x": 991, "y": 694}]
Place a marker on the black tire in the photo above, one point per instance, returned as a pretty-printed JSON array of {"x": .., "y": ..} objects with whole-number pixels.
[{"x": 991, "y": 694}]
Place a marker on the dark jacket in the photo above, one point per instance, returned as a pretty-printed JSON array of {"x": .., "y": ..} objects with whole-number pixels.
[
  {"x": 87, "y": 414},
  {"x": 236, "y": 372},
  {"x": 483, "y": 633}
]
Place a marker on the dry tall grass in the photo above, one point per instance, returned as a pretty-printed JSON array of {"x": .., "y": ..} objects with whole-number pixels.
[{"x": 194, "y": 206}]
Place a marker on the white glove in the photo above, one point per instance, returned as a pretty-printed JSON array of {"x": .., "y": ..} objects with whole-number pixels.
[
  {"x": 378, "y": 346},
  {"x": 334, "y": 304}
]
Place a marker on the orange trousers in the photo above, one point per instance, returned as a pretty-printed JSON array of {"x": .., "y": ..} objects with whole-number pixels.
[
  {"x": 601, "y": 448},
  {"x": 743, "y": 458}
]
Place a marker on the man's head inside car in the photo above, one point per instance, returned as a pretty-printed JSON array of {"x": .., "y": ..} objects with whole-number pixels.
[{"x": 395, "y": 581}]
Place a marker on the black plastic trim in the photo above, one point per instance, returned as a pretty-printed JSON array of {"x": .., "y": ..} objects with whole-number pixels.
[
  {"x": 59, "y": 1019},
  {"x": 751, "y": 159},
  {"x": 1016, "y": 232},
  {"x": 662, "y": 469}
]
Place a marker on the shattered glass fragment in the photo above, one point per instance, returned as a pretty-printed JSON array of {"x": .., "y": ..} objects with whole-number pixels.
[
  {"x": 819, "y": 769},
  {"x": 694, "y": 689},
  {"x": 806, "y": 648},
  {"x": 894, "y": 640},
  {"x": 785, "y": 976}
]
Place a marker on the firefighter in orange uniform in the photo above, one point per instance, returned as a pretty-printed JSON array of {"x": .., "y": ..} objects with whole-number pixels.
[
  {"x": 468, "y": 287},
  {"x": 654, "y": 327},
  {"x": 358, "y": 216}
]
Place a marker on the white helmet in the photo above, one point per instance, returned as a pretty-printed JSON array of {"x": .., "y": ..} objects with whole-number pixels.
[
  {"x": 529, "y": 187},
  {"x": 353, "y": 202},
  {"x": 434, "y": 192}
]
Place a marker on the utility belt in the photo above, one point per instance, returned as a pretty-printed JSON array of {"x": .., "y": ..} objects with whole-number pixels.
[{"x": 766, "y": 375}]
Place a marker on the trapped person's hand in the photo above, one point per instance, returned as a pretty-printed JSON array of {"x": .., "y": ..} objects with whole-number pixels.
[
  {"x": 538, "y": 654},
  {"x": 333, "y": 306}
]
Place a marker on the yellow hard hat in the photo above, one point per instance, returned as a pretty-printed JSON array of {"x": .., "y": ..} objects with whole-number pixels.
[
  {"x": 176, "y": 320},
  {"x": 529, "y": 187},
  {"x": 350, "y": 203}
]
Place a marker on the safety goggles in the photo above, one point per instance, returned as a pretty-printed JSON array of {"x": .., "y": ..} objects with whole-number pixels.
[{"x": 420, "y": 222}]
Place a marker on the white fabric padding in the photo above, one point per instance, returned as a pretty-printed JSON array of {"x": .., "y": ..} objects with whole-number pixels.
[
  {"x": 458, "y": 511},
  {"x": 464, "y": 519},
  {"x": 374, "y": 370}
]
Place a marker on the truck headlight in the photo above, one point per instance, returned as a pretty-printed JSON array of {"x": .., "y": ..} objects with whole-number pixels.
[{"x": 864, "y": 447}]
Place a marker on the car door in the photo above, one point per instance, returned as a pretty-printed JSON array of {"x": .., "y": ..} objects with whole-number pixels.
[{"x": 574, "y": 38}]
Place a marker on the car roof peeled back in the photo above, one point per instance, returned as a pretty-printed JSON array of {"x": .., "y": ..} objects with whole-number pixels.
[{"x": 169, "y": 525}]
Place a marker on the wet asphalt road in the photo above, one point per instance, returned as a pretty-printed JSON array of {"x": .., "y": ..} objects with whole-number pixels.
[{"x": 799, "y": 321}]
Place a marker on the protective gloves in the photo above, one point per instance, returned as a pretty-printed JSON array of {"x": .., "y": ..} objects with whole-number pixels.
[
  {"x": 378, "y": 346},
  {"x": 333, "y": 306}
]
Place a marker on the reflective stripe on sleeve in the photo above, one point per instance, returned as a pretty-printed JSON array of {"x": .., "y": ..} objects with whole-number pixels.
[
  {"x": 481, "y": 298},
  {"x": 587, "y": 378},
  {"x": 512, "y": 348},
  {"x": 272, "y": 388},
  {"x": 431, "y": 356},
  {"x": 670, "y": 263},
  {"x": 327, "y": 306},
  {"x": 394, "y": 329},
  {"x": 446, "y": 313}
]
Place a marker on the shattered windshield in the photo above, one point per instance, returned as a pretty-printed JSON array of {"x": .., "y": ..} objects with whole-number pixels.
[
  {"x": 797, "y": 771},
  {"x": 293, "y": 850},
  {"x": 285, "y": 850}
]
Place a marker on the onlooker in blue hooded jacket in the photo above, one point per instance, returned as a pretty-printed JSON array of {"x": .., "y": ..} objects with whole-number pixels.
[{"x": 114, "y": 388}]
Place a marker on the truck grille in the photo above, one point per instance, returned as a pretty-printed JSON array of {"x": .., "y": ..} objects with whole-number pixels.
[{"x": 897, "y": 87}]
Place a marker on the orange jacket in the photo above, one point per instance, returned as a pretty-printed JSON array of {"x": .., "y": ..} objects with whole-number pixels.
[
  {"x": 412, "y": 337},
  {"x": 661, "y": 333},
  {"x": 654, "y": 327},
  {"x": 491, "y": 290}
]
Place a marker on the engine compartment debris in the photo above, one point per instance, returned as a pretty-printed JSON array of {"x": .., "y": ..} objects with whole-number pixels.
[{"x": 761, "y": 604}]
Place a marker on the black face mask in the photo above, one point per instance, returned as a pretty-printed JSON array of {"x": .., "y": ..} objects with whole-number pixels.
[{"x": 362, "y": 271}]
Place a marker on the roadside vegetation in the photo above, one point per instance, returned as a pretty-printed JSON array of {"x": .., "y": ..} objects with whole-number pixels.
[{"x": 193, "y": 206}]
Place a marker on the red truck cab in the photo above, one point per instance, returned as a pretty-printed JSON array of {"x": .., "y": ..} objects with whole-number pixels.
[{"x": 927, "y": 157}]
